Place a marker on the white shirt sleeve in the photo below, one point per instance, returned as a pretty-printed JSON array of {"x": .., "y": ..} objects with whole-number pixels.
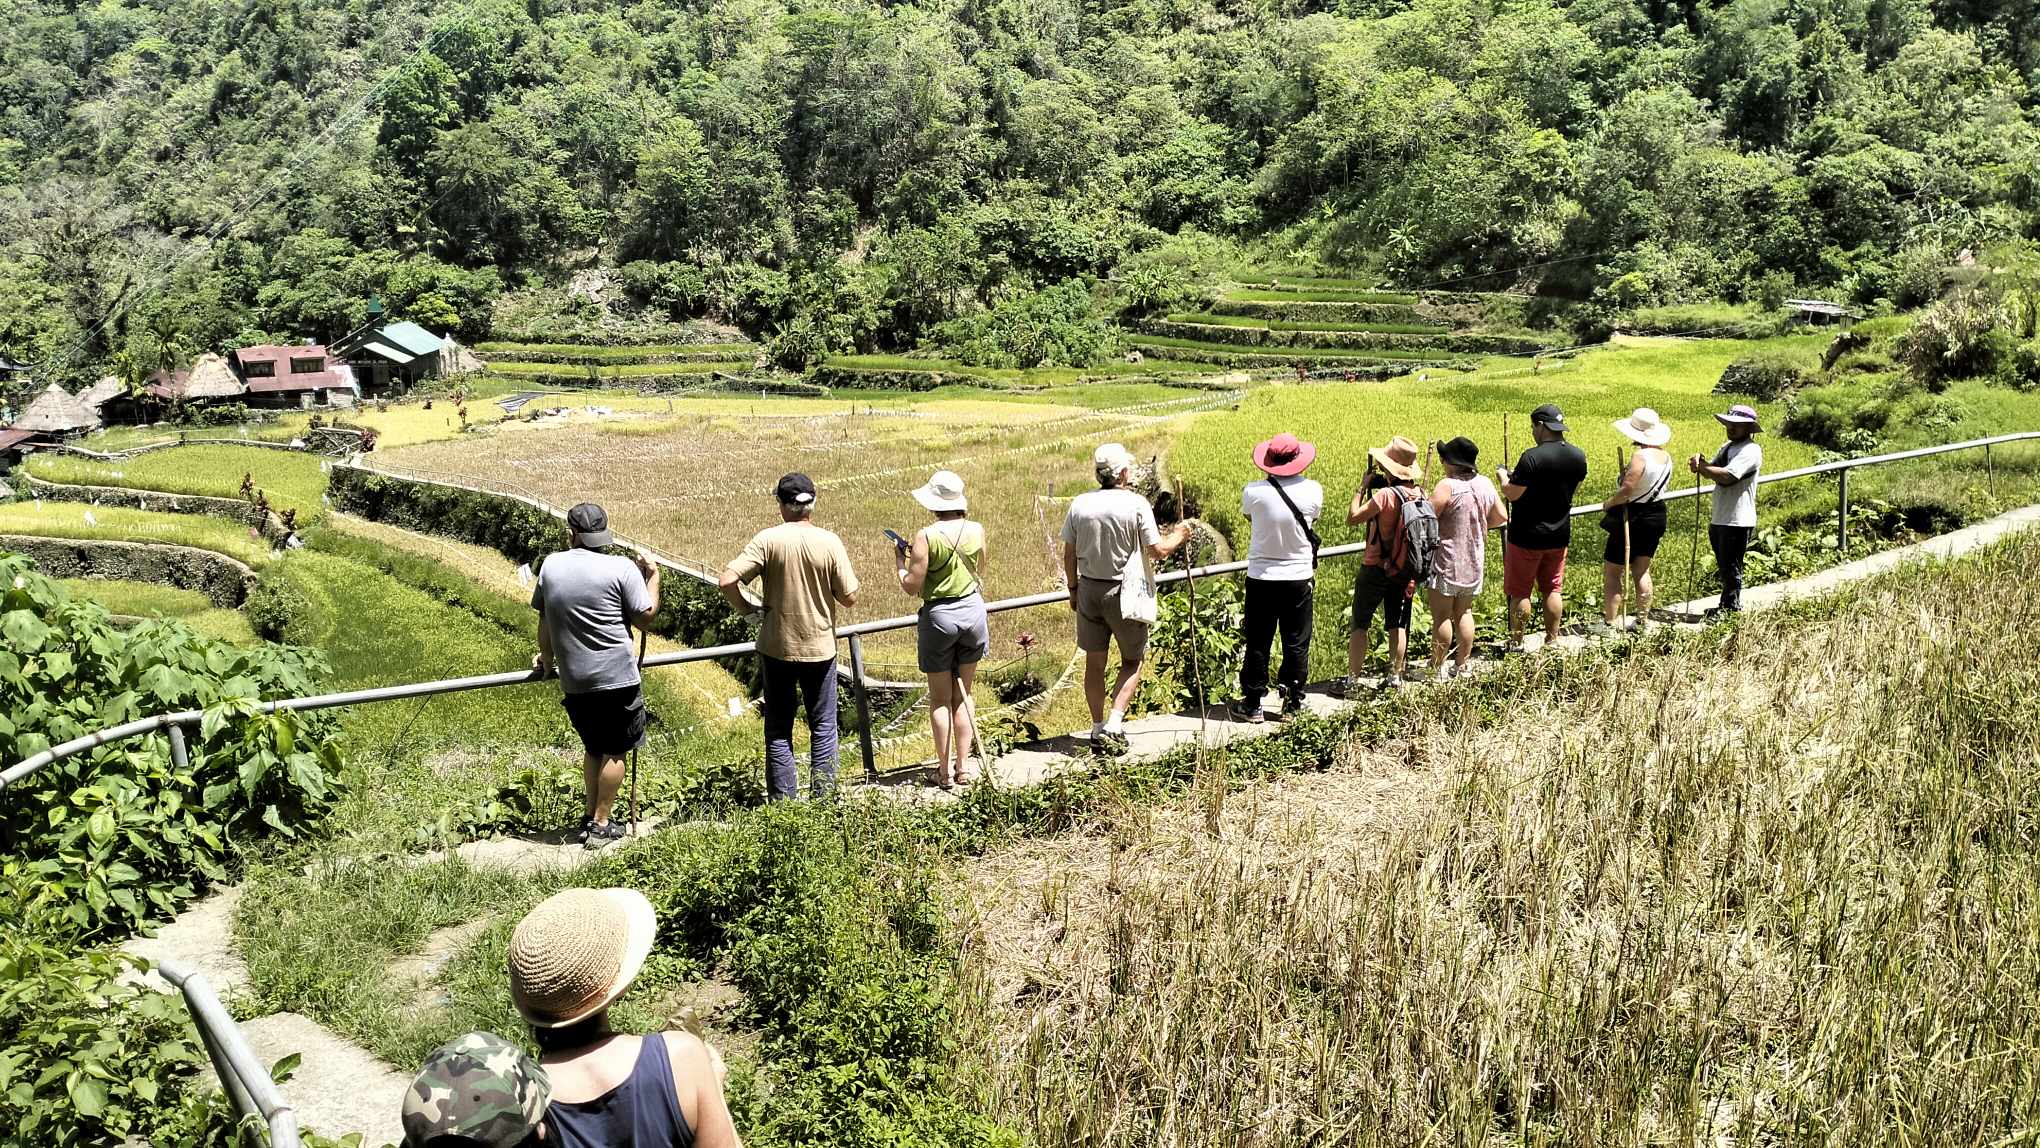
[{"x": 1745, "y": 461}]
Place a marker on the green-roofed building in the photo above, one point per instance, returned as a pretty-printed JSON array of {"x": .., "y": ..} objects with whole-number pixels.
[{"x": 389, "y": 355}]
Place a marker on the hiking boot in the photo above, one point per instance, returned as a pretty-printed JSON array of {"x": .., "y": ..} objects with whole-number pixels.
[
  {"x": 602, "y": 834},
  {"x": 1240, "y": 711}
]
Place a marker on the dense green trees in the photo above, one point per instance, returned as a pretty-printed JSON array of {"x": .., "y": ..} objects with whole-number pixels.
[{"x": 863, "y": 174}]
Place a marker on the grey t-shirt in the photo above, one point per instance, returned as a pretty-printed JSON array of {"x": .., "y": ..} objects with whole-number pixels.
[
  {"x": 1105, "y": 526},
  {"x": 583, "y": 599},
  {"x": 1736, "y": 503}
]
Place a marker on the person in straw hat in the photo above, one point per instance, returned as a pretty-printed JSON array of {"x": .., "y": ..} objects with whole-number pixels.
[
  {"x": 570, "y": 958},
  {"x": 1281, "y": 511},
  {"x": 945, "y": 566},
  {"x": 1634, "y": 516},
  {"x": 1468, "y": 506},
  {"x": 1734, "y": 472},
  {"x": 477, "y": 1091},
  {"x": 1385, "y": 582}
]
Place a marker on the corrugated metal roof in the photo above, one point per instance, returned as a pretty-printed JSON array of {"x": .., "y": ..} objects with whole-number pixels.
[
  {"x": 375, "y": 345},
  {"x": 11, "y": 437},
  {"x": 413, "y": 338},
  {"x": 308, "y": 381}
]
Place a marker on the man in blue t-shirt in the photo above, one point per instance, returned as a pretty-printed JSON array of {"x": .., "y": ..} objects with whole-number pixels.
[{"x": 1541, "y": 486}]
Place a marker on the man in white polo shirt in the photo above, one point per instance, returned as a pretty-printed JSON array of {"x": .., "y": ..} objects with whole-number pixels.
[
  {"x": 1282, "y": 510},
  {"x": 1103, "y": 530},
  {"x": 1734, "y": 473}
]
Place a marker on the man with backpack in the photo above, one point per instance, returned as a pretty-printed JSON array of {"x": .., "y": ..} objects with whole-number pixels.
[
  {"x": 1402, "y": 540},
  {"x": 1281, "y": 573}
]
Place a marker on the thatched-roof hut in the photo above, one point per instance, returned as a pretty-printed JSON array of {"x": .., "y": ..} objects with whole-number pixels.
[
  {"x": 95, "y": 396},
  {"x": 208, "y": 378},
  {"x": 56, "y": 413}
]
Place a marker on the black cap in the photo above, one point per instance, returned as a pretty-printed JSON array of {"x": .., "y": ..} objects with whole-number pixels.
[
  {"x": 1460, "y": 451},
  {"x": 589, "y": 524},
  {"x": 797, "y": 489},
  {"x": 1550, "y": 416}
]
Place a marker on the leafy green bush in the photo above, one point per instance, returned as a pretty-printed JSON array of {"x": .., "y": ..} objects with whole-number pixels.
[
  {"x": 1836, "y": 417},
  {"x": 1194, "y": 665},
  {"x": 105, "y": 840},
  {"x": 2020, "y": 370},
  {"x": 1961, "y": 337},
  {"x": 86, "y": 1059},
  {"x": 1053, "y": 327},
  {"x": 274, "y": 604},
  {"x": 1766, "y": 377}
]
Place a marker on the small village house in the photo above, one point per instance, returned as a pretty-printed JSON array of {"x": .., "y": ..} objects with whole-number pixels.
[
  {"x": 301, "y": 376},
  {"x": 388, "y": 355}
]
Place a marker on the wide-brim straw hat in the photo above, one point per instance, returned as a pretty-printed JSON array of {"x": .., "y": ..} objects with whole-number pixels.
[
  {"x": 574, "y": 954},
  {"x": 1398, "y": 457},
  {"x": 942, "y": 492},
  {"x": 1284, "y": 455},
  {"x": 1644, "y": 428}
]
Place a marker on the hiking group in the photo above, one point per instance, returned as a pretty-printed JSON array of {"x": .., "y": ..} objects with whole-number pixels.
[{"x": 1433, "y": 540}]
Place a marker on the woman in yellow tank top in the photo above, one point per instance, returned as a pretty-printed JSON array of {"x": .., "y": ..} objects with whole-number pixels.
[{"x": 944, "y": 565}]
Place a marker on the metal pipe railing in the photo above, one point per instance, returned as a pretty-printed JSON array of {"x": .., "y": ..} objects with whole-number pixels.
[
  {"x": 243, "y": 1076},
  {"x": 29, "y": 765}
]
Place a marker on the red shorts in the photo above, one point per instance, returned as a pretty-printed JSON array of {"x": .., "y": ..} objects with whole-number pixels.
[{"x": 1523, "y": 569}]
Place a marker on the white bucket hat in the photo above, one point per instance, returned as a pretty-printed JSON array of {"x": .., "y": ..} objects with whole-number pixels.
[
  {"x": 1644, "y": 427},
  {"x": 942, "y": 492}
]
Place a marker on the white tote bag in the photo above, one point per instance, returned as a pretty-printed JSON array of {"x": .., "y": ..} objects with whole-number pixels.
[{"x": 1137, "y": 588}]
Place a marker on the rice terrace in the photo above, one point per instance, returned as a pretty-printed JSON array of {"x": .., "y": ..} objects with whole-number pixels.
[{"x": 913, "y": 575}]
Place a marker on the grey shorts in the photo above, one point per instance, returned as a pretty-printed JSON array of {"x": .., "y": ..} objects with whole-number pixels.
[
  {"x": 1098, "y": 621},
  {"x": 952, "y": 634}
]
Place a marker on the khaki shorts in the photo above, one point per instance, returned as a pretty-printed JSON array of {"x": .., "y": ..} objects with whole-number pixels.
[{"x": 1098, "y": 621}]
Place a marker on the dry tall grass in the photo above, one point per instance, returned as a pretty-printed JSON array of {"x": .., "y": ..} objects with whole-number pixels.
[{"x": 1779, "y": 887}]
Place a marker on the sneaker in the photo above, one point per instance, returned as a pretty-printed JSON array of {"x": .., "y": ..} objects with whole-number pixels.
[
  {"x": 1345, "y": 689},
  {"x": 602, "y": 834},
  {"x": 1240, "y": 711},
  {"x": 581, "y": 834},
  {"x": 1392, "y": 682},
  {"x": 1111, "y": 743},
  {"x": 1292, "y": 705}
]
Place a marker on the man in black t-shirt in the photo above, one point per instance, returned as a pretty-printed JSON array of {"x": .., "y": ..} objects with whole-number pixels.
[{"x": 1541, "y": 486}]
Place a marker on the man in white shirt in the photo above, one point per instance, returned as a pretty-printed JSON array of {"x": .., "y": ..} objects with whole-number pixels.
[
  {"x": 1282, "y": 510},
  {"x": 1103, "y": 531},
  {"x": 1734, "y": 473}
]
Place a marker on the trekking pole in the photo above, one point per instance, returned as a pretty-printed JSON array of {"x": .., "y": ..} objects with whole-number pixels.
[
  {"x": 642, "y": 635},
  {"x": 1508, "y": 508}
]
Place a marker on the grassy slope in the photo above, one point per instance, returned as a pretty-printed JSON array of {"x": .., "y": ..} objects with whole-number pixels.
[
  {"x": 119, "y": 524},
  {"x": 149, "y": 600},
  {"x": 1571, "y": 914},
  {"x": 288, "y": 478}
]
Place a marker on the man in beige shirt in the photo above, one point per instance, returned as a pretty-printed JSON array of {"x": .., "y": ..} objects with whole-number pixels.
[{"x": 803, "y": 574}]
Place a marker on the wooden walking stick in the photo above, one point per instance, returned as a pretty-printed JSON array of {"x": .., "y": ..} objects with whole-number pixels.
[
  {"x": 1508, "y": 508},
  {"x": 642, "y": 634},
  {"x": 1190, "y": 589},
  {"x": 1693, "y": 548}
]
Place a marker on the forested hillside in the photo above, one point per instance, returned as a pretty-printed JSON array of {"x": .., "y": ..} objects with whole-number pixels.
[{"x": 180, "y": 173}]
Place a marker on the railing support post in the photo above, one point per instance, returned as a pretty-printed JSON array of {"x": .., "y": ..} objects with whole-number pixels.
[
  {"x": 1989, "y": 470},
  {"x": 179, "y": 756},
  {"x": 863, "y": 697},
  {"x": 1842, "y": 519}
]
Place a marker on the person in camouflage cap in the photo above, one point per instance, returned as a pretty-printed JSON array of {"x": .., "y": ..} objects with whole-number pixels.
[{"x": 479, "y": 1091}]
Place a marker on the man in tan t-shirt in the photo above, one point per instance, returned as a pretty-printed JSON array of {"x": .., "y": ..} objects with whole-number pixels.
[{"x": 803, "y": 574}]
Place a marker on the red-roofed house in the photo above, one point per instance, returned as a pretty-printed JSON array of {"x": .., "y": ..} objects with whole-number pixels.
[{"x": 299, "y": 376}]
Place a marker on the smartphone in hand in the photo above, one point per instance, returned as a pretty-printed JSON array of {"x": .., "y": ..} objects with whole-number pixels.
[{"x": 893, "y": 536}]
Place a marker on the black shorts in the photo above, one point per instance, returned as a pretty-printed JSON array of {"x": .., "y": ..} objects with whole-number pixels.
[
  {"x": 611, "y": 722},
  {"x": 1375, "y": 589},
  {"x": 1646, "y": 530}
]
